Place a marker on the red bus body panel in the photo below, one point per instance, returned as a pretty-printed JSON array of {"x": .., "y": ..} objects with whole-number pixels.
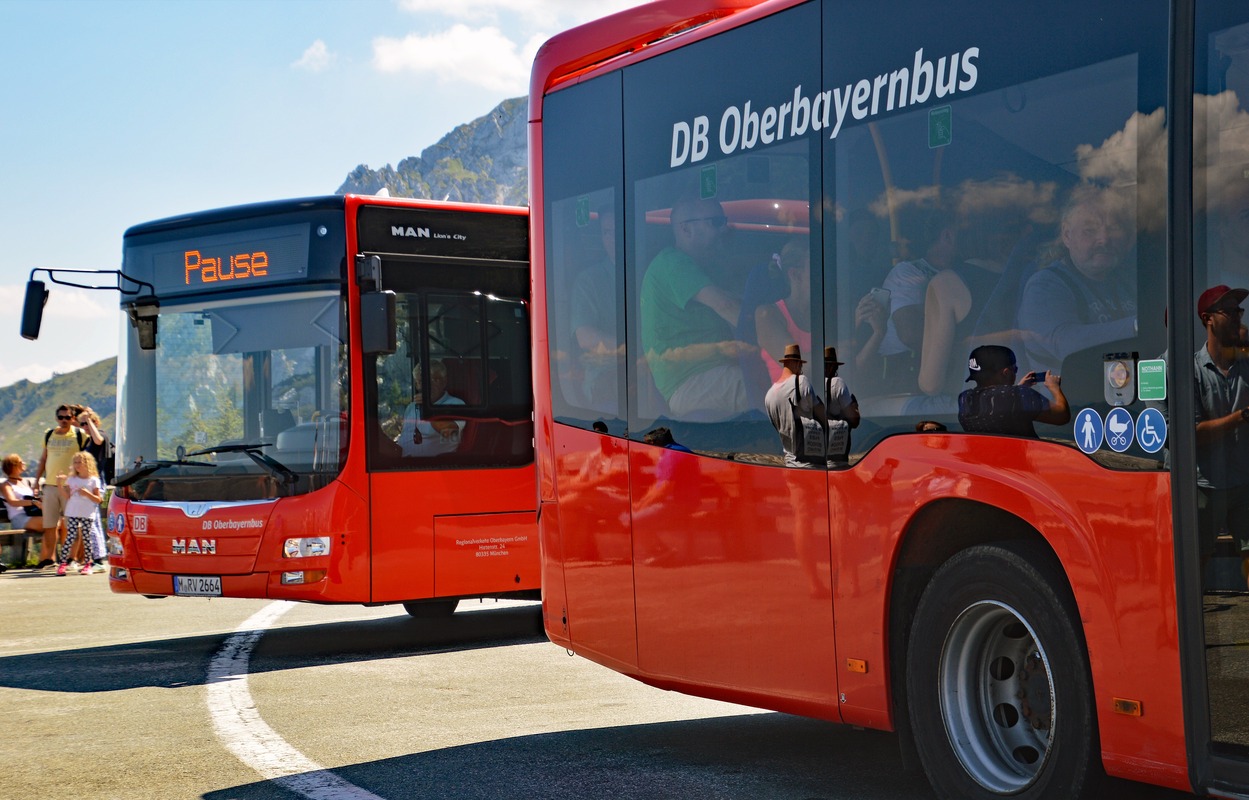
[{"x": 733, "y": 600}]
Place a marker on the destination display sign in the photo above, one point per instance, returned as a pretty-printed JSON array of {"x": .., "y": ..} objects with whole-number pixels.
[{"x": 224, "y": 261}]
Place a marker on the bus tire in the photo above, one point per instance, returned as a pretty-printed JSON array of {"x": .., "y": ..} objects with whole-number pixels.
[
  {"x": 997, "y": 679},
  {"x": 430, "y": 609}
]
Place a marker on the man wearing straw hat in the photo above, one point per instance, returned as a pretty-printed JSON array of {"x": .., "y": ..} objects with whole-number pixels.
[
  {"x": 797, "y": 412},
  {"x": 841, "y": 407}
]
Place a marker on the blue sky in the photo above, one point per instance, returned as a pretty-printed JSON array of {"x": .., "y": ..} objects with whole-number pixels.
[{"x": 119, "y": 112}]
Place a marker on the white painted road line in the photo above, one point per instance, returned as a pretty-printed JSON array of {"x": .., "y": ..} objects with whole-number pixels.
[{"x": 240, "y": 728}]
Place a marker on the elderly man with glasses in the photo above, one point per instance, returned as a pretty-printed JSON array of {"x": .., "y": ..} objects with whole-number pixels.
[{"x": 59, "y": 446}]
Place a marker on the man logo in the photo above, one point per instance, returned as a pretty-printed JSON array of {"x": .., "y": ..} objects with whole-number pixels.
[
  {"x": 195, "y": 547},
  {"x": 409, "y": 232}
]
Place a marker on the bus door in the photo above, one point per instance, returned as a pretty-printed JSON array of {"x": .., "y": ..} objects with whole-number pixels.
[
  {"x": 1211, "y": 476},
  {"x": 451, "y": 436}
]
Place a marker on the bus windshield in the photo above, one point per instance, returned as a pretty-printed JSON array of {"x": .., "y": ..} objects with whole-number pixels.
[{"x": 232, "y": 381}]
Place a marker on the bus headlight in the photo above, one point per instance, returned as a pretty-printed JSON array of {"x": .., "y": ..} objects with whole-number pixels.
[
  {"x": 114, "y": 547},
  {"x": 306, "y": 548}
]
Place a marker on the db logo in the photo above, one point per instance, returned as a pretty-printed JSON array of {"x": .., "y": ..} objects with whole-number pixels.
[{"x": 138, "y": 523}]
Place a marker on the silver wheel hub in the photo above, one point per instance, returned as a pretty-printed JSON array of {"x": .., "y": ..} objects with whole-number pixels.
[{"x": 997, "y": 697}]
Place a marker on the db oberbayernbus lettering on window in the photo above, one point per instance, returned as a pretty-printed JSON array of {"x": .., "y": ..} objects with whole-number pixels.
[{"x": 210, "y": 269}]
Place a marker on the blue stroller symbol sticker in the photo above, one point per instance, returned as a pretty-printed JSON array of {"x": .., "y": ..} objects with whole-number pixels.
[{"x": 1119, "y": 429}]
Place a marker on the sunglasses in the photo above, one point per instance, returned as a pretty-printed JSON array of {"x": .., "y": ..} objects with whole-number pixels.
[{"x": 63, "y": 416}]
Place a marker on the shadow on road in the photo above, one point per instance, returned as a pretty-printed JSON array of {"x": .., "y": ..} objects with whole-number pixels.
[
  {"x": 175, "y": 663},
  {"x": 765, "y": 756},
  {"x": 772, "y": 756}
]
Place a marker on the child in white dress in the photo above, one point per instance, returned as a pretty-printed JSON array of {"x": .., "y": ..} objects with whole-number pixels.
[{"x": 82, "y": 492}]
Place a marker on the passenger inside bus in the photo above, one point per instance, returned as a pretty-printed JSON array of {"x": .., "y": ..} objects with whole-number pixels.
[
  {"x": 688, "y": 320},
  {"x": 1086, "y": 295},
  {"x": 932, "y": 233},
  {"x": 788, "y": 319},
  {"x": 592, "y": 314},
  {"x": 953, "y": 304},
  {"x": 425, "y": 437}
]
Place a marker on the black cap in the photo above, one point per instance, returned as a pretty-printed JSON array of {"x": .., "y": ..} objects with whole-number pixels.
[{"x": 989, "y": 359}]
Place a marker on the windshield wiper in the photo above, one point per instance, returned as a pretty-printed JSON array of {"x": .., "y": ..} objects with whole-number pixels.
[
  {"x": 143, "y": 469},
  {"x": 255, "y": 452}
]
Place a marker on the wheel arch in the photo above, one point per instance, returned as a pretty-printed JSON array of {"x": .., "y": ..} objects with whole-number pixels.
[{"x": 934, "y": 534}]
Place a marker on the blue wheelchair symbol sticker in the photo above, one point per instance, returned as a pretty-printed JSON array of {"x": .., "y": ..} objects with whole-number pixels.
[
  {"x": 1151, "y": 430},
  {"x": 1119, "y": 429},
  {"x": 1088, "y": 431}
]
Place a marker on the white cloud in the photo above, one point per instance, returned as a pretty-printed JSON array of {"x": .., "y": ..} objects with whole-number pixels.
[
  {"x": 317, "y": 58},
  {"x": 38, "y": 373},
  {"x": 480, "y": 56},
  {"x": 496, "y": 50}
]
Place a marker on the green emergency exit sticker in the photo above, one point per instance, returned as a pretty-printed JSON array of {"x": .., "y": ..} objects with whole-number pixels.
[
  {"x": 708, "y": 186},
  {"x": 583, "y": 211},
  {"x": 1151, "y": 379},
  {"x": 940, "y": 126}
]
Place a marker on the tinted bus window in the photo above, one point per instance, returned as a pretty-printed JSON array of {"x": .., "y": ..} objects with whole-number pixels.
[
  {"x": 583, "y": 163},
  {"x": 722, "y": 181},
  {"x": 990, "y": 190},
  {"x": 456, "y": 391}
]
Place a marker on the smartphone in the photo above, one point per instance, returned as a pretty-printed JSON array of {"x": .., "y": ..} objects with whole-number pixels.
[
  {"x": 1040, "y": 376},
  {"x": 881, "y": 296}
]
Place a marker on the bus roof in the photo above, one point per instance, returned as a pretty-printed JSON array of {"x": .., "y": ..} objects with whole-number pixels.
[
  {"x": 336, "y": 201},
  {"x": 573, "y": 54}
]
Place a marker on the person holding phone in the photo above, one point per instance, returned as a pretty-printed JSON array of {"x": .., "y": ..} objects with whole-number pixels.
[{"x": 999, "y": 404}]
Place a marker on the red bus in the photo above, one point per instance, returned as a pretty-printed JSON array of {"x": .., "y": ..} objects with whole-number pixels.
[
  {"x": 904, "y": 182},
  {"x": 327, "y": 400}
]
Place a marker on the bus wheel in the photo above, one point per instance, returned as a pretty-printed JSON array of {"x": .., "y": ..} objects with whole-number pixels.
[
  {"x": 997, "y": 679},
  {"x": 430, "y": 609}
]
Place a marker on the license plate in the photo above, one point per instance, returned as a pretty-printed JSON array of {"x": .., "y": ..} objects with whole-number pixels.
[{"x": 196, "y": 586}]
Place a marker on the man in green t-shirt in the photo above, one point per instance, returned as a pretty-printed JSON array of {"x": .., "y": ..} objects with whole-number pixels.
[{"x": 688, "y": 321}]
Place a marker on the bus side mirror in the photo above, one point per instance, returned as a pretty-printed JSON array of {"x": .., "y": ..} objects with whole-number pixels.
[
  {"x": 143, "y": 315},
  {"x": 32, "y": 309},
  {"x": 377, "y": 323}
]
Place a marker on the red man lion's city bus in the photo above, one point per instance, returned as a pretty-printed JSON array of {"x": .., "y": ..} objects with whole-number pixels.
[
  {"x": 327, "y": 400},
  {"x": 903, "y": 182}
]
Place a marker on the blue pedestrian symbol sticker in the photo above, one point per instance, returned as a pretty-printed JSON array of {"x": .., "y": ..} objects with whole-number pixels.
[
  {"x": 1088, "y": 430},
  {"x": 1119, "y": 429},
  {"x": 1151, "y": 430}
]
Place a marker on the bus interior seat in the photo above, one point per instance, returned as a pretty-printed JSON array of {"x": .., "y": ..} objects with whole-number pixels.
[{"x": 275, "y": 420}]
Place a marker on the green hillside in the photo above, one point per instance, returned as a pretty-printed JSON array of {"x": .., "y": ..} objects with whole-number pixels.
[{"x": 28, "y": 409}]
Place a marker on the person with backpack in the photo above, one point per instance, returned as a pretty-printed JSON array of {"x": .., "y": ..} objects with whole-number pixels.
[{"x": 59, "y": 446}]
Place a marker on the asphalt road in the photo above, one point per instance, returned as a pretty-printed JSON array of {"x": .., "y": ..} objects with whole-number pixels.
[{"x": 109, "y": 696}]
